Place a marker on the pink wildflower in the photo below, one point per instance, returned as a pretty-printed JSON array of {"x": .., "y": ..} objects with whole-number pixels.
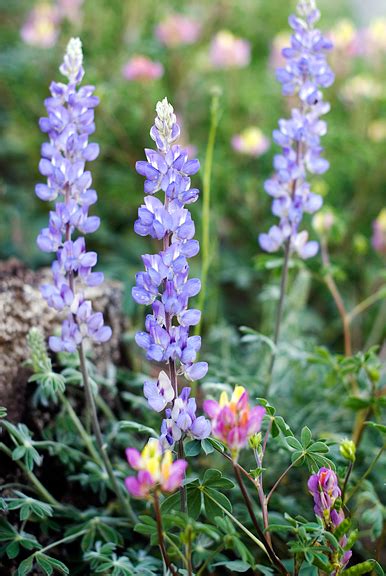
[
  {"x": 177, "y": 30},
  {"x": 141, "y": 69},
  {"x": 156, "y": 469},
  {"x": 234, "y": 421}
]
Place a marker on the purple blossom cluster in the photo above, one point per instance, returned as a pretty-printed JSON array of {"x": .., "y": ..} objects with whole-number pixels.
[
  {"x": 305, "y": 73},
  {"x": 69, "y": 123},
  {"x": 325, "y": 490},
  {"x": 165, "y": 283}
]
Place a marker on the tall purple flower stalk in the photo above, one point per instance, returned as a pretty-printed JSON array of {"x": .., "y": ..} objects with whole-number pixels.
[
  {"x": 165, "y": 284},
  {"x": 305, "y": 73},
  {"x": 69, "y": 123}
]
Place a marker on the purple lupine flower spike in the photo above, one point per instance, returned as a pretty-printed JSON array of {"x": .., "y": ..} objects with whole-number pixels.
[
  {"x": 165, "y": 284},
  {"x": 69, "y": 123},
  {"x": 305, "y": 73},
  {"x": 324, "y": 488}
]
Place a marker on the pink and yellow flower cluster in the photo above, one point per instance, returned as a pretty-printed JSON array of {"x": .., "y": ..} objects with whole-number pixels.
[
  {"x": 156, "y": 470},
  {"x": 234, "y": 421}
]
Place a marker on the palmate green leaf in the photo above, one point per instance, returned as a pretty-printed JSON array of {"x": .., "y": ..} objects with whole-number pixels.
[
  {"x": 294, "y": 443},
  {"x": 306, "y": 437},
  {"x": 50, "y": 565},
  {"x": 140, "y": 428},
  {"x": 213, "y": 499},
  {"x": 26, "y": 566},
  {"x": 29, "y": 506},
  {"x": 146, "y": 526},
  {"x": 3, "y": 412},
  {"x": 192, "y": 448},
  {"x": 215, "y": 479},
  {"x": 207, "y": 446},
  {"x": 22, "y": 439}
]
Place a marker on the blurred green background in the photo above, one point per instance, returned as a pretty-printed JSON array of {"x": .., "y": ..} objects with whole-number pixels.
[{"x": 243, "y": 281}]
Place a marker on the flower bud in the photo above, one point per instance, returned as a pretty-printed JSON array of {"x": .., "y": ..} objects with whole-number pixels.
[
  {"x": 347, "y": 448},
  {"x": 255, "y": 441}
]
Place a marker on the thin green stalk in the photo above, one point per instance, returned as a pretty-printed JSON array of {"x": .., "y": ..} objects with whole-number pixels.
[
  {"x": 238, "y": 523},
  {"x": 366, "y": 303},
  {"x": 206, "y": 194},
  {"x": 41, "y": 490},
  {"x": 209, "y": 559},
  {"x": 281, "y": 478},
  {"x": 175, "y": 547},
  {"x": 69, "y": 538},
  {"x": 267, "y": 545},
  {"x": 368, "y": 471},
  {"x": 346, "y": 479},
  {"x": 279, "y": 313},
  {"x": 80, "y": 428},
  {"x": 90, "y": 402}
]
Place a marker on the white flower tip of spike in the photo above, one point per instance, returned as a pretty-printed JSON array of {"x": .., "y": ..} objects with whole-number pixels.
[
  {"x": 73, "y": 61},
  {"x": 305, "y": 7},
  {"x": 166, "y": 118}
]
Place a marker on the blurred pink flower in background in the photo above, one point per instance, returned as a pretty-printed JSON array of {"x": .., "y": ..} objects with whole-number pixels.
[
  {"x": 41, "y": 27},
  {"x": 141, "y": 69},
  {"x": 229, "y": 51},
  {"x": 276, "y": 58},
  {"x": 251, "y": 142},
  {"x": 378, "y": 239},
  {"x": 70, "y": 9},
  {"x": 177, "y": 30}
]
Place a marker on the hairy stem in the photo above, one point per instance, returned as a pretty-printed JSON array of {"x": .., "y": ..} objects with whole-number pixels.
[
  {"x": 160, "y": 532},
  {"x": 90, "y": 402},
  {"x": 274, "y": 559},
  {"x": 262, "y": 498}
]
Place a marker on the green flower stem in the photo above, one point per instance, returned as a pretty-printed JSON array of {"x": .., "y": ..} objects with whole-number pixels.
[
  {"x": 80, "y": 428},
  {"x": 267, "y": 545},
  {"x": 206, "y": 195},
  {"x": 237, "y": 522},
  {"x": 160, "y": 532},
  {"x": 262, "y": 498},
  {"x": 279, "y": 313},
  {"x": 346, "y": 479},
  {"x": 41, "y": 490},
  {"x": 281, "y": 477},
  {"x": 209, "y": 559},
  {"x": 176, "y": 549},
  {"x": 91, "y": 407},
  {"x": 362, "y": 306},
  {"x": 64, "y": 540},
  {"x": 368, "y": 471}
]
